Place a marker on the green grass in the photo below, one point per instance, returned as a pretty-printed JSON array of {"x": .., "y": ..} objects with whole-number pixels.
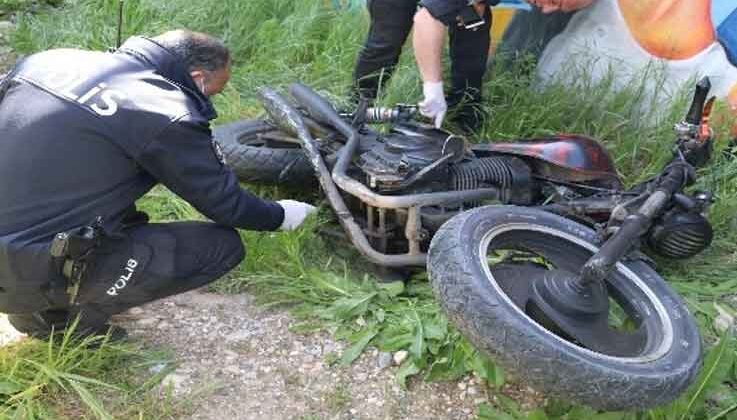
[
  {"x": 8, "y": 7},
  {"x": 65, "y": 378},
  {"x": 276, "y": 42}
]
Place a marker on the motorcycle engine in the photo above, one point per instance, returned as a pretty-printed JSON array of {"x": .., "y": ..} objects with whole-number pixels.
[
  {"x": 680, "y": 234},
  {"x": 407, "y": 149}
]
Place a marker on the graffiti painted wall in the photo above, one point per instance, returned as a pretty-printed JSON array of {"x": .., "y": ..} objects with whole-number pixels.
[{"x": 670, "y": 41}]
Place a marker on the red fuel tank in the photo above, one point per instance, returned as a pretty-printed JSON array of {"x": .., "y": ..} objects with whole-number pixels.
[{"x": 568, "y": 157}]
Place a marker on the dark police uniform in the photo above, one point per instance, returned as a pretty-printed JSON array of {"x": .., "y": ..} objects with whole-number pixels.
[
  {"x": 391, "y": 22},
  {"x": 85, "y": 134}
]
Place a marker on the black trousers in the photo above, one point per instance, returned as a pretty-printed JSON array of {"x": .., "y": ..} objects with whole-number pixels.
[
  {"x": 145, "y": 263},
  {"x": 529, "y": 33},
  {"x": 391, "y": 22}
]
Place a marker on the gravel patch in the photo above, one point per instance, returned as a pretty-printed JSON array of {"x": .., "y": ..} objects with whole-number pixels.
[{"x": 242, "y": 361}]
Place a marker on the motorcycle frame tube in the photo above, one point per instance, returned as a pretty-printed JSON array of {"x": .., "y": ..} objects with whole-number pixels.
[
  {"x": 322, "y": 111},
  {"x": 291, "y": 120}
]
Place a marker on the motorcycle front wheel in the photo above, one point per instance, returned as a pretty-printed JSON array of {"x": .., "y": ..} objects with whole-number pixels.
[{"x": 481, "y": 264}]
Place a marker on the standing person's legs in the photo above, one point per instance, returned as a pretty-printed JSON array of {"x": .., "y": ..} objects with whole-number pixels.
[
  {"x": 147, "y": 262},
  {"x": 529, "y": 33},
  {"x": 391, "y": 22},
  {"x": 469, "y": 53}
]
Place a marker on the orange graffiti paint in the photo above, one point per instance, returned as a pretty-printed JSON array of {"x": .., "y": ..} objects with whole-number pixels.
[{"x": 670, "y": 29}]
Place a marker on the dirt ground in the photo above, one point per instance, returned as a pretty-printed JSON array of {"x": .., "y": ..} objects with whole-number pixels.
[
  {"x": 237, "y": 360},
  {"x": 245, "y": 363}
]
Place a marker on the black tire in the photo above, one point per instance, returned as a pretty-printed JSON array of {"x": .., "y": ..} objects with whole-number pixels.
[
  {"x": 258, "y": 160},
  {"x": 476, "y": 302}
]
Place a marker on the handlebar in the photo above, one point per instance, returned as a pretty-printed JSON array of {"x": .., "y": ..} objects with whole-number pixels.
[{"x": 698, "y": 102}]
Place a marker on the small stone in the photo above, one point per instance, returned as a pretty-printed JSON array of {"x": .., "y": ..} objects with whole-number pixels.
[
  {"x": 462, "y": 386},
  {"x": 135, "y": 311},
  {"x": 238, "y": 336},
  {"x": 146, "y": 322},
  {"x": 157, "y": 368},
  {"x": 400, "y": 357},
  {"x": 164, "y": 325},
  {"x": 472, "y": 390},
  {"x": 313, "y": 350},
  {"x": 724, "y": 320},
  {"x": 384, "y": 360},
  {"x": 233, "y": 370},
  {"x": 175, "y": 381},
  {"x": 478, "y": 401},
  {"x": 6, "y": 27}
]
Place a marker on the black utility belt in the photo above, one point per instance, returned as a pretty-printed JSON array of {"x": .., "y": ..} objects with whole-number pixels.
[{"x": 469, "y": 18}]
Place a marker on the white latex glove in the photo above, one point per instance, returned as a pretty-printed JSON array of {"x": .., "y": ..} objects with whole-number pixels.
[
  {"x": 434, "y": 106},
  {"x": 295, "y": 213}
]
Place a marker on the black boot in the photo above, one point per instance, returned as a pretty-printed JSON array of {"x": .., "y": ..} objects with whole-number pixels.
[{"x": 42, "y": 325}]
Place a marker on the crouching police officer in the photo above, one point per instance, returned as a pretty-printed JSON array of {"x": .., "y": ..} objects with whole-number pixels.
[
  {"x": 84, "y": 135},
  {"x": 468, "y": 25}
]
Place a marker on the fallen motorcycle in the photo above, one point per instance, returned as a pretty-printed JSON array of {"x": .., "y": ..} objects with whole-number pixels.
[{"x": 549, "y": 279}]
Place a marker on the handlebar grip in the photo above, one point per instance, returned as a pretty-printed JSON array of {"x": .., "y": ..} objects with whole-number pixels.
[
  {"x": 699, "y": 99},
  {"x": 317, "y": 106}
]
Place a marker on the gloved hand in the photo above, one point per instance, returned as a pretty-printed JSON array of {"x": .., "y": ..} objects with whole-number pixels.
[
  {"x": 295, "y": 213},
  {"x": 434, "y": 106}
]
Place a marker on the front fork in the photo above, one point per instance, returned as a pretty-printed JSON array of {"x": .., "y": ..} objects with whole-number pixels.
[{"x": 598, "y": 267}]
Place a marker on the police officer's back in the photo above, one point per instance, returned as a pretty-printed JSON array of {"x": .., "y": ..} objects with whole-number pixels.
[{"x": 83, "y": 135}]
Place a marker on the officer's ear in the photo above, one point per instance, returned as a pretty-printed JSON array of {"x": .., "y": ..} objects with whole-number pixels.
[{"x": 199, "y": 79}]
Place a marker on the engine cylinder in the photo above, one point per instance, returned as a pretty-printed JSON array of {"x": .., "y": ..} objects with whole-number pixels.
[{"x": 680, "y": 235}]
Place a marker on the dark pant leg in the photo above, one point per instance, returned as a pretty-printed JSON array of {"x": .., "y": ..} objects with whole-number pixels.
[
  {"x": 469, "y": 53},
  {"x": 529, "y": 33},
  {"x": 391, "y": 22},
  {"x": 153, "y": 261}
]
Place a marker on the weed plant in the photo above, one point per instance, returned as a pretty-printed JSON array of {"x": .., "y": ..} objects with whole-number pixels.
[
  {"x": 276, "y": 42},
  {"x": 67, "y": 377}
]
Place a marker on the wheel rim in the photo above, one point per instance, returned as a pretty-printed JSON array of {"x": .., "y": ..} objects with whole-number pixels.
[{"x": 647, "y": 313}]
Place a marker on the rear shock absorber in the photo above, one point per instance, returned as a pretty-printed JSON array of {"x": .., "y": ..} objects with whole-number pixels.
[{"x": 399, "y": 112}]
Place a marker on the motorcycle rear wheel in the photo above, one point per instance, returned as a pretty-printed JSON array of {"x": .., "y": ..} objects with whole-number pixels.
[
  {"x": 480, "y": 265},
  {"x": 253, "y": 150}
]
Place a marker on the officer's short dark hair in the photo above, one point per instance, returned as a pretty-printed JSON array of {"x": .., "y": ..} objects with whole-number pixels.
[{"x": 200, "y": 51}]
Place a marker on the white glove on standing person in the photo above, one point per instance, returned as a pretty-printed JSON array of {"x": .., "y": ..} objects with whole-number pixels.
[
  {"x": 295, "y": 213},
  {"x": 434, "y": 106}
]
